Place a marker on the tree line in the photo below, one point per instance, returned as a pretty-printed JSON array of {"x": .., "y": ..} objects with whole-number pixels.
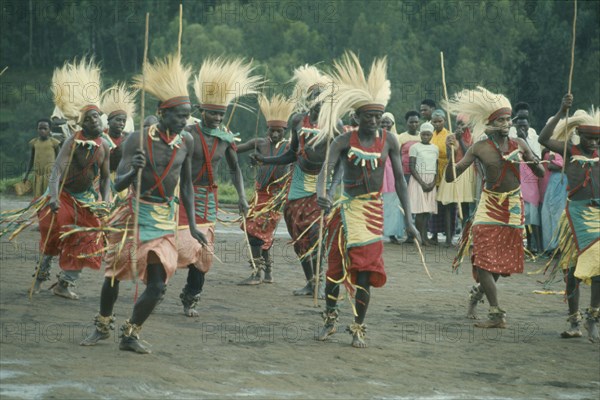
[{"x": 520, "y": 48}]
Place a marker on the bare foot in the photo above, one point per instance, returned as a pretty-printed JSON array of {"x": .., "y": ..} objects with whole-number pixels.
[
  {"x": 326, "y": 331},
  {"x": 571, "y": 333},
  {"x": 358, "y": 332},
  {"x": 471, "y": 312},
  {"x": 189, "y": 303},
  {"x": 329, "y": 321},
  {"x": 190, "y": 312},
  {"x": 358, "y": 342},
  {"x": 496, "y": 319},
  {"x": 64, "y": 290},
  {"x": 592, "y": 328},
  {"x": 475, "y": 297}
]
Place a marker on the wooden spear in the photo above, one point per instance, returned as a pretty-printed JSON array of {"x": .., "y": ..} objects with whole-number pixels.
[
  {"x": 322, "y": 217},
  {"x": 139, "y": 172},
  {"x": 243, "y": 216},
  {"x": 562, "y": 174},
  {"x": 178, "y": 187},
  {"x": 423, "y": 259},
  {"x": 180, "y": 30},
  {"x": 460, "y": 214}
]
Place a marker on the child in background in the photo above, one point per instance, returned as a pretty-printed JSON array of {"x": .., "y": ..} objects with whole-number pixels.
[
  {"x": 43, "y": 153},
  {"x": 423, "y": 163}
]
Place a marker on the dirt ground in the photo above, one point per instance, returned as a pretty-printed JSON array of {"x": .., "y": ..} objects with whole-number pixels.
[{"x": 258, "y": 342}]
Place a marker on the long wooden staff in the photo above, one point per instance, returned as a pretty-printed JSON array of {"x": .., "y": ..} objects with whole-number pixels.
[
  {"x": 139, "y": 172},
  {"x": 562, "y": 174},
  {"x": 460, "y": 214},
  {"x": 60, "y": 189},
  {"x": 231, "y": 115},
  {"x": 244, "y": 224},
  {"x": 258, "y": 112},
  {"x": 178, "y": 187},
  {"x": 180, "y": 30},
  {"x": 423, "y": 259},
  {"x": 322, "y": 216}
]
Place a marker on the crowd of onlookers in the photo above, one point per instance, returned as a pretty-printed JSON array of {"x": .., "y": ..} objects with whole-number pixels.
[
  {"x": 424, "y": 158},
  {"x": 434, "y": 201}
]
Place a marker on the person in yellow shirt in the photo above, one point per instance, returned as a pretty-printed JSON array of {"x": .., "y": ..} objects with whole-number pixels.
[
  {"x": 43, "y": 153},
  {"x": 443, "y": 221}
]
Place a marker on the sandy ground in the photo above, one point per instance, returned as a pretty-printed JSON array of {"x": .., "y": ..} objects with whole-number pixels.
[{"x": 258, "y": 342}]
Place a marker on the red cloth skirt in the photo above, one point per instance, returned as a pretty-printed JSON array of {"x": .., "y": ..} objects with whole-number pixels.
[
  {"x": 356, "y": 259},
  {"x": 497, "y": 249},
  {"x": 70, "y": 215},
  {"x": 299, "y": 214},
  {"x": 263, "y": 225}
]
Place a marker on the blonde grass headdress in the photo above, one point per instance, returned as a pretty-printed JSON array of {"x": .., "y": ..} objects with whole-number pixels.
[
  {"x": 76, "y": 89},
  {"x": 480, "y": 106},
  {"x": 220, "y": 81},
  {"x": 351, "y": 90},
  {"x": 167, "y": 80},
  {"x": 277, "y": 111},
  {"x": 118, "y": 100},
  {"x": 587, "y": 123},
  {"x": 308, "y": 79}
]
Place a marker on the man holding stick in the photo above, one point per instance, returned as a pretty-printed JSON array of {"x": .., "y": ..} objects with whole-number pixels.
[
  {"x": 164, "y": 161},
  {"x": 73, "y": 205},
  {"x": 268, "y": 198},
  {"x": 579, "y": 236},
  {"x": 301, "y": 212},
  {"x": 217, "y": 85},
  {"x": 355, "y": 228},
  {"x": 497, "y": 229}
]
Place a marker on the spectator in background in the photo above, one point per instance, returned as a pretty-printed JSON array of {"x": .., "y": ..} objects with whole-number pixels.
[
  {"x": 521, "y": 111},
  {"x": 44, "y": 150},
  {"x": 443, "y": 221},
  {"x": 393, "y": 216},
  {"x": 427, "y": 107},
  {"x": 554, "y": 195},
  {"x": 421, "y": 188},
  {"x": 406, "y": 140},
  {"x": 531, "y": 195},
  {"x": 461, "y": 190}
]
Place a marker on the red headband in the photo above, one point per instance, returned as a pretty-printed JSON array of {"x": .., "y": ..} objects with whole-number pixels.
[
  {"x": 117, "y": 112},
  {"x": 174, "y": 102},
  {"x": 499, "y": 112},
  {"x": 588, "y": 130},
  {"x": 371, "y": 107},
  {"x": 213, "y": 107},
  {"x": 90, "y": 107},
  {"x": 277, "y": 124}
]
